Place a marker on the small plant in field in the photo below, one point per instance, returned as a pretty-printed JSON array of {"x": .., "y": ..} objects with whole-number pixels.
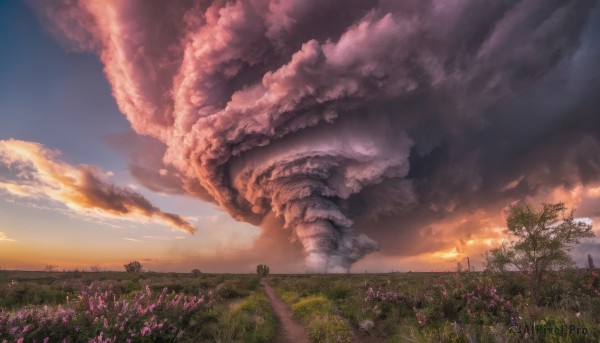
[
  {"x": 196, "y": 272},
  {"x": 382, "y": 296},
  {"x": 366, "y": 325},
  {"x": 329, "y": 329},
  {"x": 262, "y": 270},
  {"x": 421, "y": 319},
  {"x": 382, "y": 302},
  {"x": 227, "y": 290},
  {"x": 311, "y": 306},
  {"x": 133, "y": 267},
  {"x": 49, "y": 268},
  {"x": 590, "y": 283}
]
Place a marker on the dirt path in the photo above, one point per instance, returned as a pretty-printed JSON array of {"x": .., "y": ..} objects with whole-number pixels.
[{"x": 290, "y": 330}]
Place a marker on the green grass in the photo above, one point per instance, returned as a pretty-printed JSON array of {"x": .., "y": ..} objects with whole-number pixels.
[
  {"x": 453, "y": 306},
  {"x": 237, "y": 312},
  {"x": 311, "y": 306},
  {"x": 318, "y": 314},
  {"x": 249, "y": 320},
  {"x": 328, "y": 329},
  {"x": 22, "y": 288}
]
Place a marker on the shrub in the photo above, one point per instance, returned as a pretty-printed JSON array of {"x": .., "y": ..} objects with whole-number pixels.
[
  {"x": 132, "y": 285},
  {"x": 338, "y": 290},
  {"x": 288, "y": 297},
  {"x": 329, "y": 329},
  {"x": 227, "y": 291},
  {"x": 133, "y": 267},
  {"x": 366, "y": 325},
  {"x": 262, "y": 270},
  {"x": 311, "y": 306}
]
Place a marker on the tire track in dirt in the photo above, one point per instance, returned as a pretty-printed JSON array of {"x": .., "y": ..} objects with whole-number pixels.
[{"x": 290, "y": 330}]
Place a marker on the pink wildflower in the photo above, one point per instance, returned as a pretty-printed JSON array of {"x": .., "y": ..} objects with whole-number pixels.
[{"x": 145, "y": 331}]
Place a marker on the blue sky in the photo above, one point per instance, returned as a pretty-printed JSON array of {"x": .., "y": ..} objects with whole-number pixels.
[
  {"x": 52, "y": 96},
  {"x": 62, "y": 100}
]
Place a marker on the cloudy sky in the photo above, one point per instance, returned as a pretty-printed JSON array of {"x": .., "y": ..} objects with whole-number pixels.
[{"x": 307, "y": 135}]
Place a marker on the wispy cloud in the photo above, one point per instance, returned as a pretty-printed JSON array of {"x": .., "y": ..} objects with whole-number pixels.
[
  {"x": 165, "y": 238},
  {"x": 131, "y": 239},
  {"x": 4, "y": 238},
  {"x": 83, "y": 189}
]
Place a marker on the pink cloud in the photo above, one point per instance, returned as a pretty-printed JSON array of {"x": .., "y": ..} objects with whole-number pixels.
[
  {"x": 264, "y": 109},
  {"x": 83, "y": 188}
]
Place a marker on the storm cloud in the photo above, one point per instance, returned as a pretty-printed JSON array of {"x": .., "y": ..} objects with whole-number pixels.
[{"x": 359, "y": 123}]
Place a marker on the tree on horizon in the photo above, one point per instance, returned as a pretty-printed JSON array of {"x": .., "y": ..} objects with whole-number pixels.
[
  {"x": 544, "y": 240},
  {"x": 133, "y": 267}
]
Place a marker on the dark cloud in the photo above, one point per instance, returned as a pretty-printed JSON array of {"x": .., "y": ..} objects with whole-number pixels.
[
  {"x": 145, "y": 163},
  {"x": 384, "y": 119}
]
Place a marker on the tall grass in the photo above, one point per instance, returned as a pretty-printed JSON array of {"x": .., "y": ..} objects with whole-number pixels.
[{"x": 450, "y": 307}]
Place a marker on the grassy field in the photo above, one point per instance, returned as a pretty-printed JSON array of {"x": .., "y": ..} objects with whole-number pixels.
[
  {"x": 445, "y": 307},
  {"x": 399, "y": 307},
  {"x": 136, "y": 307}
]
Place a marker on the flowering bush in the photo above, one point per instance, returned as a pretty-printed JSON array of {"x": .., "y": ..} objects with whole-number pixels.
[
  {"x": 102, "y": 316},
  {"x": 450, "y": 307},
  {"x": 381, "y": 302},
  {"x": 375, "y": 296},
  {"x": 467, "y": 299},
  {"x": 458, "y": 298},
  {"x": 590, "y": 283}
]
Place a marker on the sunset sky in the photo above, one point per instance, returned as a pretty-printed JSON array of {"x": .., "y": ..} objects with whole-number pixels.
[
  {"x": 306, "y": 135},
  {"x": 74, "y": 112}
]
